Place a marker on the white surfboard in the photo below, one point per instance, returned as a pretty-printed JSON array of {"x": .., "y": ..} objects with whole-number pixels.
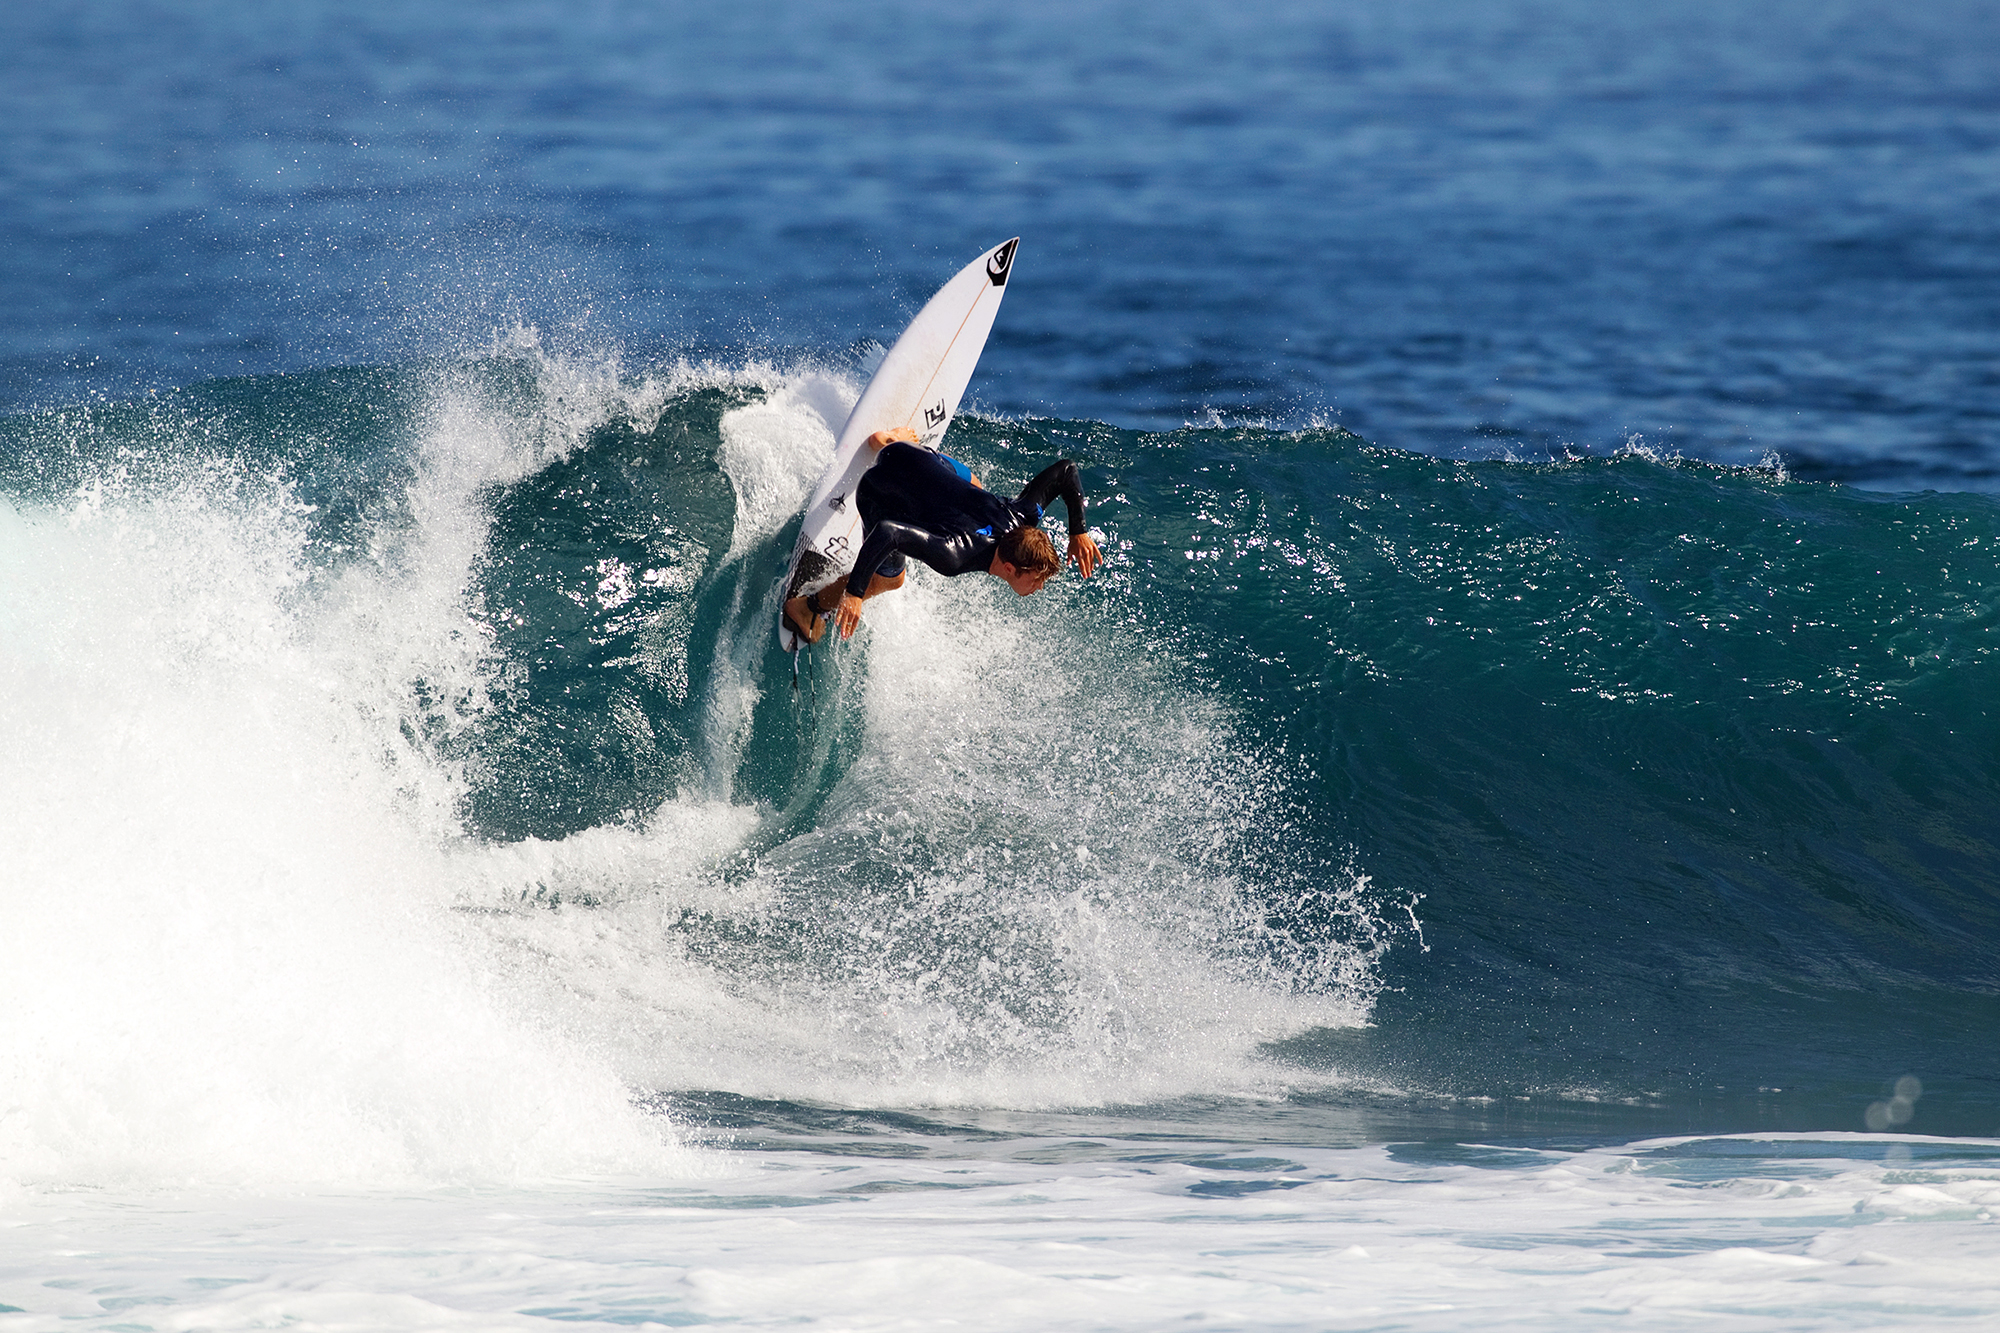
[{"x": 917, "y": 385}]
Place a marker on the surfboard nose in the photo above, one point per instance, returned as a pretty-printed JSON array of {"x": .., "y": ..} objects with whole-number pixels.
[{"x": 1001, "y": 262}]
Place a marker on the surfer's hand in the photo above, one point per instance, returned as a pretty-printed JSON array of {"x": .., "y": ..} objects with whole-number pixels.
[
  {"x": 881, "y": 439},
  {"x": 847, "y": 615},
  {"x": 1083, "y": 551}
]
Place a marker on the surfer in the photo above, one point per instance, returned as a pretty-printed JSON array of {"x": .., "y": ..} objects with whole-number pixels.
[{"x": 917, "y": 503}]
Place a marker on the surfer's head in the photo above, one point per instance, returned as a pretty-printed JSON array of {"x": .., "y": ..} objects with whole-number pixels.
[{"x": 1026, "y": 559}]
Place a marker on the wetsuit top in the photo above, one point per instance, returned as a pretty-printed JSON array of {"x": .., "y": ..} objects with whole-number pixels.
[{"x": 917, "y": 503}]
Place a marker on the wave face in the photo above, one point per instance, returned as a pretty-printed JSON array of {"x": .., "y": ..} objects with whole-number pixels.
[{"x": 406, "y": 767}]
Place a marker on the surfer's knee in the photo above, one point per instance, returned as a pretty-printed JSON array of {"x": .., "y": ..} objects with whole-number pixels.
[{"x": 879, "y": 583}]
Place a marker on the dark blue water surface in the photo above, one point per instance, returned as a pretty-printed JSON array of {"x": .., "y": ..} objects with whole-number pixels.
[
  {"x": 1464, "y": 228},
  {"x": 1683, "y": 754}
]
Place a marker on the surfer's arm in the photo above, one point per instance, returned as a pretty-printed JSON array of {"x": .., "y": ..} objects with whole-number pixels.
[
  {"x": 1060, "y": 478},
  {"x": 890, "y": 537}
]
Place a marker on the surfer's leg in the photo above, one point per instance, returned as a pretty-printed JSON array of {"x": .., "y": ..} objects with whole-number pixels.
[
  {"x": 807, "y": 620},
  {"x": 877, "y": 585},
  {"x": 808, "y": 613},
  {"x": 888, "y": 576}
]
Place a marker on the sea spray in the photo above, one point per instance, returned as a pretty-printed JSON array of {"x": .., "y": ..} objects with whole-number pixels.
[
  {"x": 993, "y": 864},
  {"x": 230, "y": 958}
]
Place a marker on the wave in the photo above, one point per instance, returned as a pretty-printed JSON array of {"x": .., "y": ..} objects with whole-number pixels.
[
  {"x": 406, "y": 783},
  {"x": 406, "y": 767}
]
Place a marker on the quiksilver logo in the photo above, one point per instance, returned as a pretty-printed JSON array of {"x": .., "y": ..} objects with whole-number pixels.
[{"x": 1000, "y": 261}]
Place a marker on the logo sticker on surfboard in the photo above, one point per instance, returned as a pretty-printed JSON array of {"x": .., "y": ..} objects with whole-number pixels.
[{"x": 1002, "y": 260}]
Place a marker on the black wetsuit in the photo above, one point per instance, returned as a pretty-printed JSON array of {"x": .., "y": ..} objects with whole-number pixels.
[{"x": 920, "y": 504}]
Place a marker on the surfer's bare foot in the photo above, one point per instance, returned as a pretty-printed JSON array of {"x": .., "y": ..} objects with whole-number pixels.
[{"x": 804, "y": 618}]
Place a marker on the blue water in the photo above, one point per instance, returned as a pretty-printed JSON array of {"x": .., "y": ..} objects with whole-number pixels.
[
  {"x": 1456, "y": 228},
  {"x": 1545, "y": 454}
]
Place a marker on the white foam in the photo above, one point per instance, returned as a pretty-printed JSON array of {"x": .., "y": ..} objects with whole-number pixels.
[
  {"x": 774, "y": 450},
  {"x": 1000, "y": 971},
  {"x": 1116, "y": 1234},
  {"x": 230, "y": 957}
]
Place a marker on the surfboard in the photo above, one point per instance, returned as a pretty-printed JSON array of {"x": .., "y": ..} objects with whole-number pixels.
[{"x": 918, "y": 385}]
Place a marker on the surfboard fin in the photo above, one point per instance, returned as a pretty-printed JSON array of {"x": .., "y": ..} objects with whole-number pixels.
[{"x": 800, "y": 651}]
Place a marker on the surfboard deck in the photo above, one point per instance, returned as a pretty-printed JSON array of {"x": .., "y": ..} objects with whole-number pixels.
[{"x": 918, "y": 384}]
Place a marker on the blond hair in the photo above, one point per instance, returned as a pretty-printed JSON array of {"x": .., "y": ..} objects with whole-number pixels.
[{"x": 1031, "y": 551}]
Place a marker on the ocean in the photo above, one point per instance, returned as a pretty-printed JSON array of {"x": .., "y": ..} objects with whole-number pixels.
[{"x": 1507, "y": 840}]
